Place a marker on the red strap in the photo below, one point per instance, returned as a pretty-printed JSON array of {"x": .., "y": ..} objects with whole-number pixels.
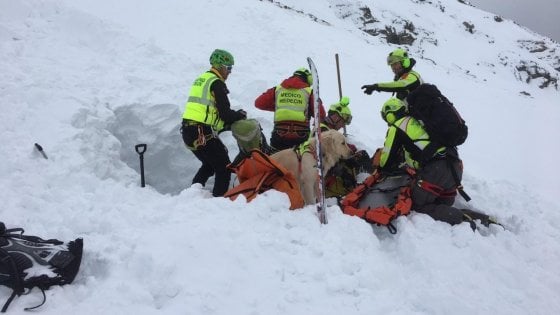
[{"x": 436, "y": 190}]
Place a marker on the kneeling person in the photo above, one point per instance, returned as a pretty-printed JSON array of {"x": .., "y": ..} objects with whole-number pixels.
[
  {"x": 341, "y": 179},
  {"x": 437, "y": 178}
]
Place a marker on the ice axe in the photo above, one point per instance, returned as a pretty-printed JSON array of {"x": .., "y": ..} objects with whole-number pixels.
[{"x": 140, "y": 149}]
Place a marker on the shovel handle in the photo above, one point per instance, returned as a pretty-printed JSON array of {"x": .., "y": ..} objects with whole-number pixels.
[
  {"x": 40, "y": 149},
  {"x": 140, "y": 148}
]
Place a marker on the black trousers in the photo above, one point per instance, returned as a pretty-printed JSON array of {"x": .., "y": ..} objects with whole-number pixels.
[
  {"x": 214, "y": 157},
  {"x": 439, "y": 173}
]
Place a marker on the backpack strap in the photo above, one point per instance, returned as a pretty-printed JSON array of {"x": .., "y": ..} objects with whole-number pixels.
[
  {"x": 10, "y": 299},
  {"x": 435, "y": 189},
  {"x": 39, "y": 305},
  {"x": 392, "y": 228},
  {"x": 15, "y": 279},
  {"x": 429, "y": 151},
  {"x": 458, "y": 182}
]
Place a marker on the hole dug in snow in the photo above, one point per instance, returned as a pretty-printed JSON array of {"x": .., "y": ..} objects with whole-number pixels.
[{"x": 168, "y": 166}]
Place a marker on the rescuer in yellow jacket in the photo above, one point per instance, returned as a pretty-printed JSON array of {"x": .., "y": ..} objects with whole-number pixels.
[
  {"x": 437, "y": 179},
  {"x": 405, "y": 79},
  {"x": 207, "y": 113},
  {"x": 341, "y": 178},
  {"x": 292, "y": 103}
]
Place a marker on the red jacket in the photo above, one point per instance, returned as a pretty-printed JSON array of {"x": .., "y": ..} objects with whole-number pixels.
[{"x": 267, "y": 100}]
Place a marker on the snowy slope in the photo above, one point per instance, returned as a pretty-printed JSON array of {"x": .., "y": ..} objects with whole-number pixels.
[{"x": 90, "y": 79}]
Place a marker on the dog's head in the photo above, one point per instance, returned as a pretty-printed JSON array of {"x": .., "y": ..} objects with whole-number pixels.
[{"x": 333, "y": 148}]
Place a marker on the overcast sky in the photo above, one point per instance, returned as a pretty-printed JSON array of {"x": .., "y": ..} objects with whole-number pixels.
[{"x": 540, "y": 16}]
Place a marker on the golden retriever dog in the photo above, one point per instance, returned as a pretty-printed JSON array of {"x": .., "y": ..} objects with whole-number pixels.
[{"x": 303, "y": 165}]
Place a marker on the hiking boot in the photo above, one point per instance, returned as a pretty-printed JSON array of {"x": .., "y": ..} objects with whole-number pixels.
[
  {"x": 484, "y": 219},
  {"x": 490, "y": 220},
  {"x": 467, "y": 218}
]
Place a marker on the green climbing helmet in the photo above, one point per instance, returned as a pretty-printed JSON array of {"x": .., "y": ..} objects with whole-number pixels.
[
  {"x": 393, "y": 110},
  {"x": 342, "y": 109},
  {"x": 304, "y": 74},
  {"x": 220, "y": 57},
  {"x": 399, "y": 55}
]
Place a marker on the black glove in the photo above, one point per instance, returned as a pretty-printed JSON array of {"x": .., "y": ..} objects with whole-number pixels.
[
  {"x": 363, "y": 162},
  {"x": 368, "y": 89},
  {"x": 337, "y": 170},
  {"x": 243, "y": 113},
  {"x": 348, "y": 179}
]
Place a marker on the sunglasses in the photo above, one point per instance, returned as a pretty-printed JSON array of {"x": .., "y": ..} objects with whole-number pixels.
[
  {"x": 393, "y": 59},
  {"x": 228, "y": 68},
  {"x": 337, "y": 118}
]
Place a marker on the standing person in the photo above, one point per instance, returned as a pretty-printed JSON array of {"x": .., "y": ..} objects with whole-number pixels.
[
  {"x": 292, "y": 104},
  {"x": 435, "y": 185},
  {"x": 208, "y": 112},
  {"x": 405, "y": 79}
]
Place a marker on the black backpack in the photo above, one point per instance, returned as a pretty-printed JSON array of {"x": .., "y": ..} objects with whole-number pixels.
[
  {"x": 442, "y": 122},
  {"x": 50, "y": 262}
]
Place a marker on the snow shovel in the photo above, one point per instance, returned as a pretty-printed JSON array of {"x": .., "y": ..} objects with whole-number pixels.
[{"x": 140, "y": 149}]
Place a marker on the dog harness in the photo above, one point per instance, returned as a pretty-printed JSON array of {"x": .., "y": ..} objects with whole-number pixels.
[{"x": 303, "y": 148}]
